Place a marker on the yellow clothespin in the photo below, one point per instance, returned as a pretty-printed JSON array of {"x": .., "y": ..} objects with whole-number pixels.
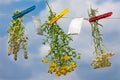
[{"x": 62, "y": 13}]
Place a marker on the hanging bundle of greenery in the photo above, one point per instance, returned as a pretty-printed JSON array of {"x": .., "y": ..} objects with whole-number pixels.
[
  {"x": 102, "y": 53},
  {"x": 60, "y": 56},
  {"x": 17, "y": 38}
]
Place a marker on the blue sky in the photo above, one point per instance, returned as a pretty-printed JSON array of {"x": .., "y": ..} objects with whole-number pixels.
[
  {"x": 33, "y": 68},
  {"x": 8, "y": 8}
]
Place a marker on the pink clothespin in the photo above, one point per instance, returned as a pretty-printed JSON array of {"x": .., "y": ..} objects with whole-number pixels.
[{"x": 92, "y": 19}]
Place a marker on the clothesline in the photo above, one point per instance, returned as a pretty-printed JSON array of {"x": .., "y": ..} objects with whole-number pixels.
[
  {"x": 5, "y": 15},
  {"x": 62, "y": 17},
  {"x": 85, "y": 18}
]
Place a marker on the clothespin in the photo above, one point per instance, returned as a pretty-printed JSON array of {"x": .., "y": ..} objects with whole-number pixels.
[
  {"x": 62, "y": 13},
  {"x": 92, "y": 19},
  {"x": 22, "y": 13}
]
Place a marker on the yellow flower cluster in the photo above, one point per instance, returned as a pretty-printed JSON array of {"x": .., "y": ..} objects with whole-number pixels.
[
  {"x": 66, "y": 65},
  {"x": 102, "y": 60},
  {"x": 61, "y": 69}
]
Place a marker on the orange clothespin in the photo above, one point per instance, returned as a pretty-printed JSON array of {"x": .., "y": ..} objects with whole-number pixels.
[{"x": 62, "y": 13}]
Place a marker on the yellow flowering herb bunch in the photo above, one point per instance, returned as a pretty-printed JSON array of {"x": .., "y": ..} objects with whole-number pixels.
[
  {"x": 60, "y": 56},
  {"x": 17, "y": 38},
  {"x": 102, "y": 54}
]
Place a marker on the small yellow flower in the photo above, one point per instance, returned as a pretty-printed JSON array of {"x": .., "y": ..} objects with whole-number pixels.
[
  {"x": 110, "y": 54},
  {"x": 52, "y": 64},
  {"x": 44, "y": 60},
  {"x": 74, "y": 66},
  {"x": 9, "y": 50},
  {"x": 96, "y": 66},
  {"x": 78, "y": 56},
  {"x": 104, "y": 56},
  {"x": 50, "y": 71},
  {"x": 58, "y": 74},
  {"x": 72, "y": 63},
  {"x": 71, "y": 69},
  {"x": 108, "y": 64},
  {"x": 66, "y": 57},
  {"x": 68, "y": 69},
  {"x": 63, "y": 71}
]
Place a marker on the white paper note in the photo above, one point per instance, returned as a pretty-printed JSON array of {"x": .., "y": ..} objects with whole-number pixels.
[
  {"x": 37, "y": 24},
  {"x": 75, "y": 26}
]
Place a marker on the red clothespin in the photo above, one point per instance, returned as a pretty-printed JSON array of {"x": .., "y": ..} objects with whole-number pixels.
[{"x": 92, "y": 19}]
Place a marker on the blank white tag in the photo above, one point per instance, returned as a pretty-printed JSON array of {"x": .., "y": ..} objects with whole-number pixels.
[
  {"x": 75, "y": 26},
  {"x": 37, "y": 24}
]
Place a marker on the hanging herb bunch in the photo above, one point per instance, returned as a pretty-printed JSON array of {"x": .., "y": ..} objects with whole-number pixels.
[
  {"x": 102, "y": 53},
  {"x": 60, "y": 56},
  {"x": 17, "y": 38}
]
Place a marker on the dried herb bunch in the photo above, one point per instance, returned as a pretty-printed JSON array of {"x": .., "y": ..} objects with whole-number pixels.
[
  {"x": 17, "y": 38},
  {"x": 102, "y": 53},
  {"x": 60, "y": 56}
]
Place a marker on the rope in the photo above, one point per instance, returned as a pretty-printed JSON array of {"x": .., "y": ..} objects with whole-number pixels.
[{"x": 62, "y": 17}]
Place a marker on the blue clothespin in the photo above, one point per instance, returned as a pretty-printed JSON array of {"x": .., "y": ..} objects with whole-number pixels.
[{"x": 22, "y": 13}]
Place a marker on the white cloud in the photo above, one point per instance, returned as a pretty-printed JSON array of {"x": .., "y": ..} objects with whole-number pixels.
[
  {"x": 44, "y": 50},
  {"x": 47, "y": 76}
]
